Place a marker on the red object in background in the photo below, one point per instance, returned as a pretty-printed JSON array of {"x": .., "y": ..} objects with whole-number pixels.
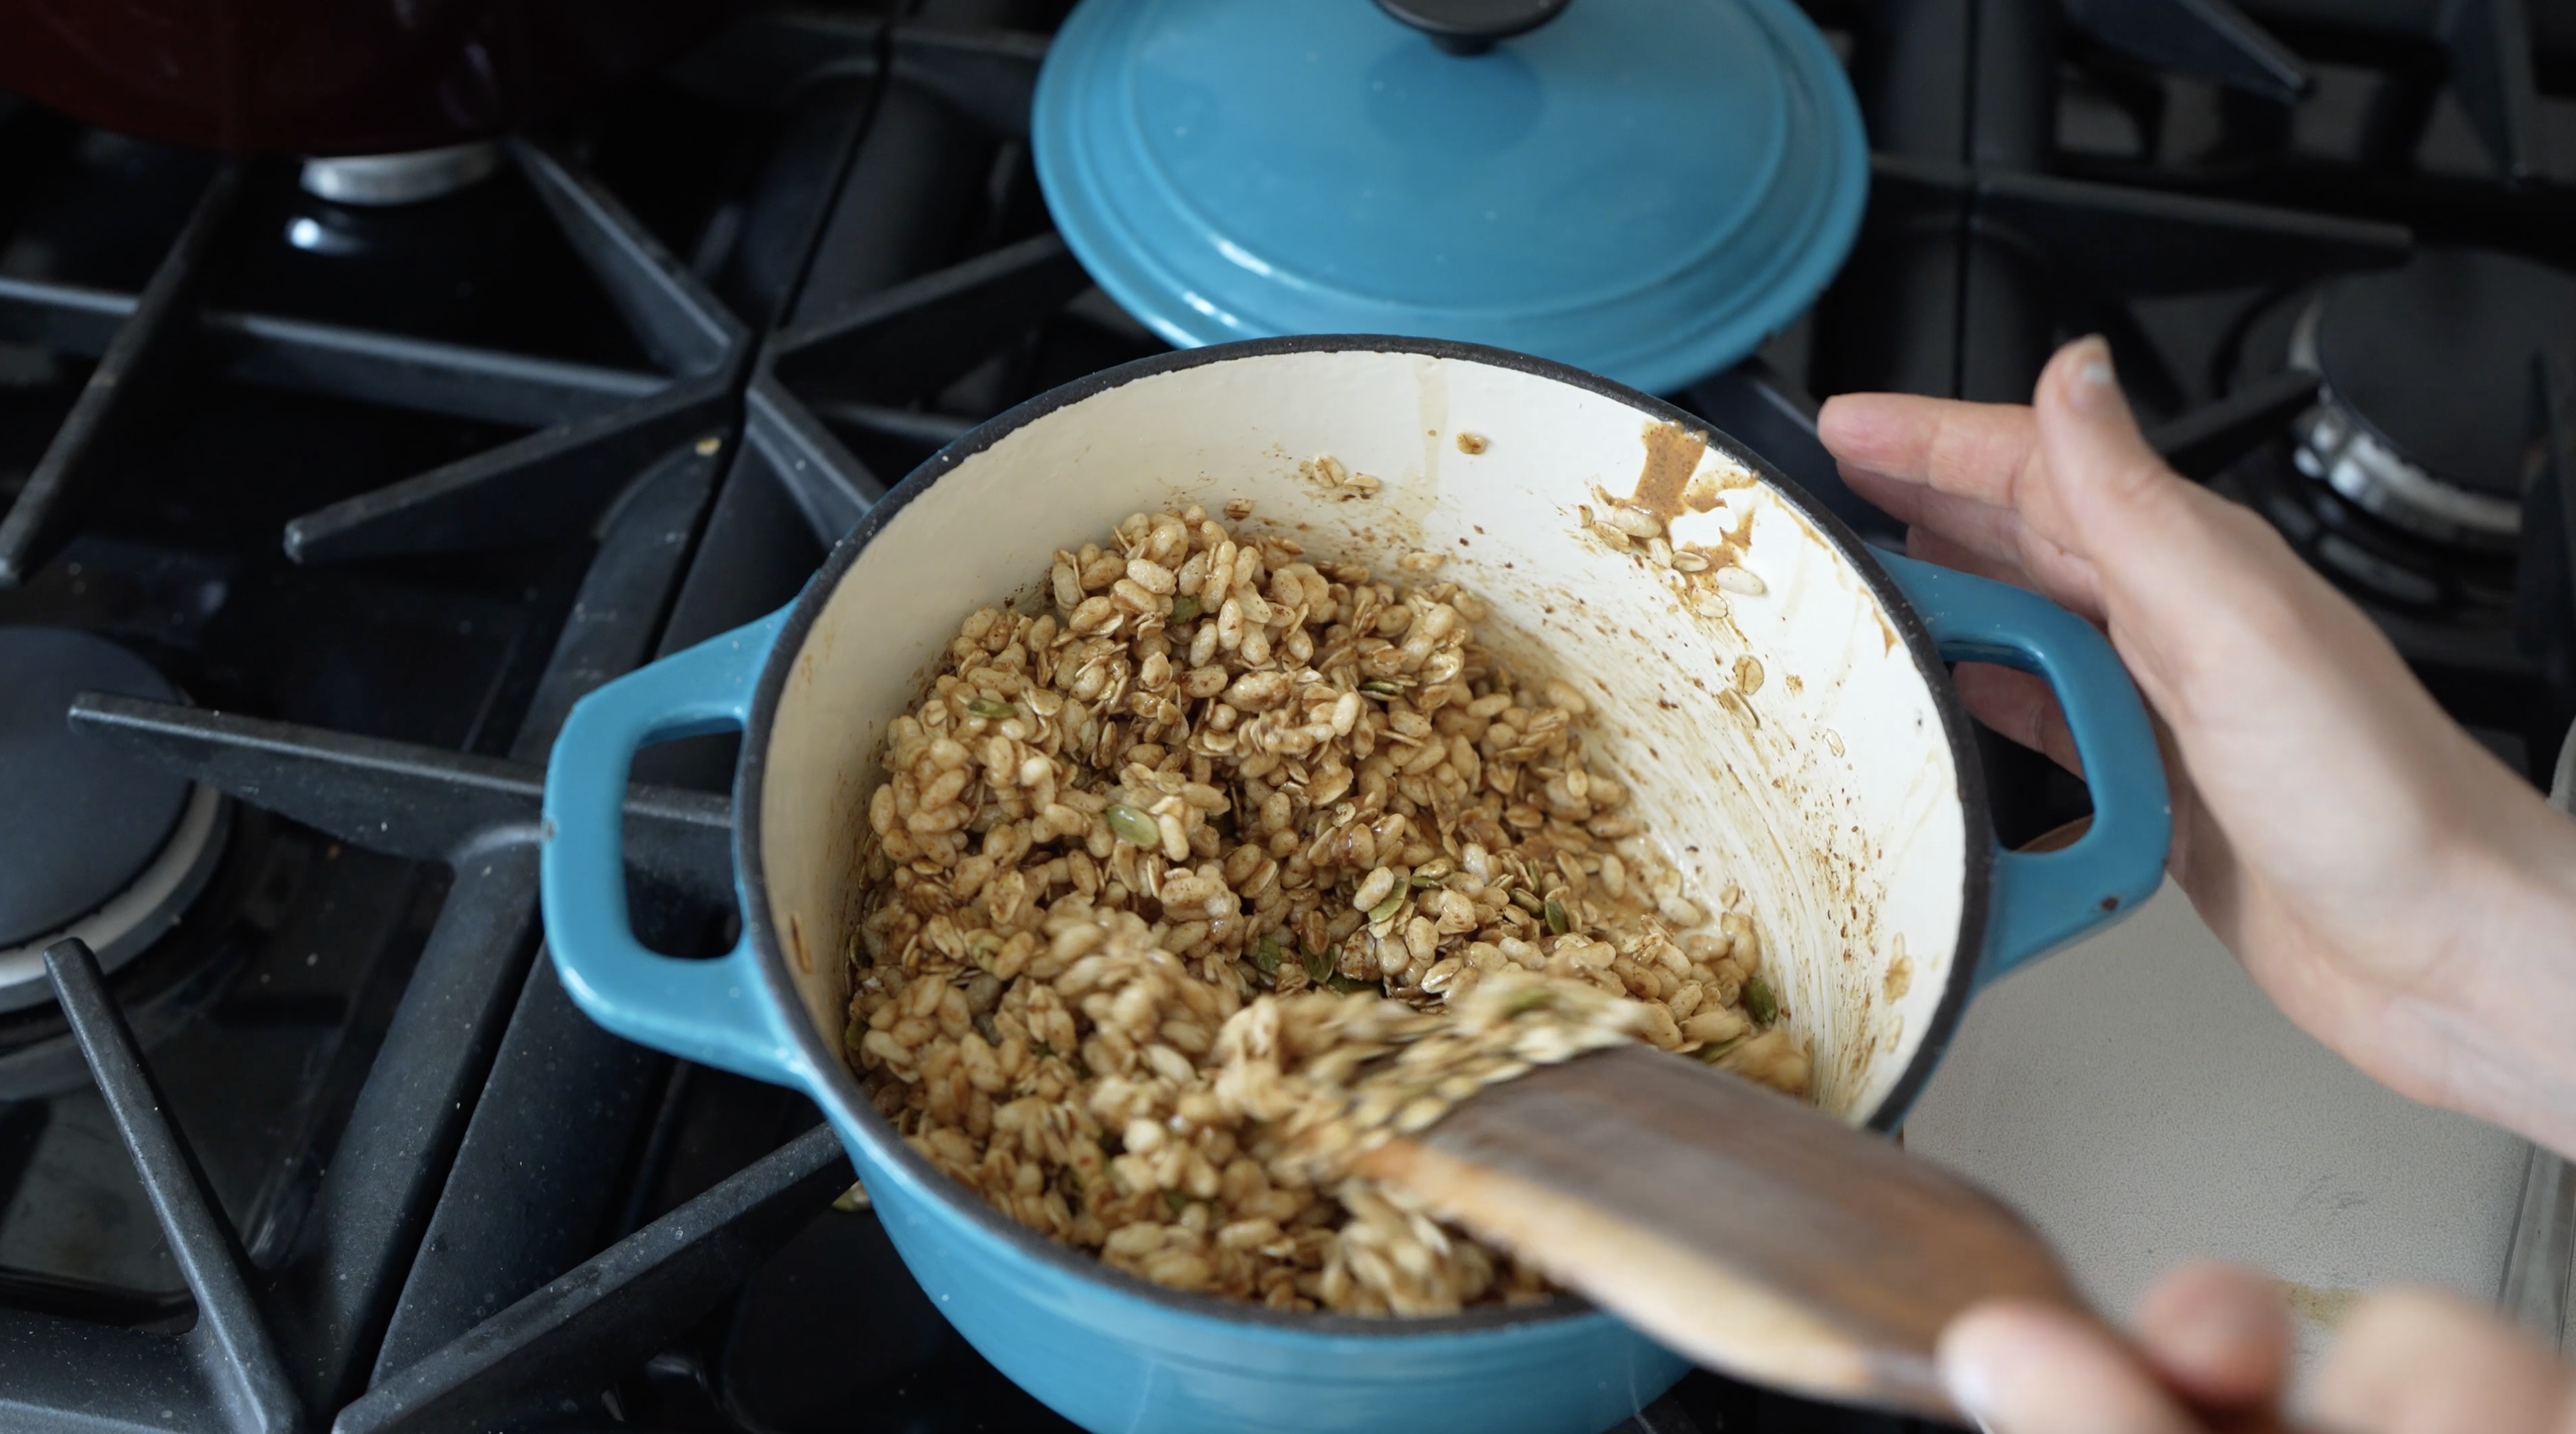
[{"x": 320, "y": 77}]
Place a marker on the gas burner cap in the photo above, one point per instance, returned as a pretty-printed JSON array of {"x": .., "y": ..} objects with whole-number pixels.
[
  {"x": 101, "y": 847},
  {"x": 385, "y": 179},
  {"x": 2427, "y": 373}
]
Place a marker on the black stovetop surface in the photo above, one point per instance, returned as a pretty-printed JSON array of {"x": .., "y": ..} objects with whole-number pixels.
[{"x": 384, "y": 491}]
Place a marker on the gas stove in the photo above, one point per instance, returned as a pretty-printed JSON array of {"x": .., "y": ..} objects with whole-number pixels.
[{"x": 325, "y": 490}]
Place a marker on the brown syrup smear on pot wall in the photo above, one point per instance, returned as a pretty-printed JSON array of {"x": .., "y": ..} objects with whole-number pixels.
[
  {"x": 1672, "y": 455},
  {"x": 1838, "y": 884},
  {"x": 1127, "y": 835}
]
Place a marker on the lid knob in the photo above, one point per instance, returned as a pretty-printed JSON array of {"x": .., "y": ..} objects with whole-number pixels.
[{"x": 1470, "y": 27}]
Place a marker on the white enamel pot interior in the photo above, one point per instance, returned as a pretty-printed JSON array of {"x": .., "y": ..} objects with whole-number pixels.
[{"x": 1791, "y": 742}]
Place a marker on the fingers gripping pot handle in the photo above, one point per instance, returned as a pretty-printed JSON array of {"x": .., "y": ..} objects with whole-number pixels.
[
  {"x": 2042, "y": 900},
  {"x": 712, "y": 1011}
]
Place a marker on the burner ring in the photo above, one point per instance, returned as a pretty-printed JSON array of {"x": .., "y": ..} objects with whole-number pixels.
[
  {"x": 2339, "y": 448},
  {"x": 136, "y": 916}
]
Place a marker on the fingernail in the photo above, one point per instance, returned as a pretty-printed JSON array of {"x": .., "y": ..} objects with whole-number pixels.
[
  {"x": 1972, "y": 1388},
  {"x": 2096, "y": 388}
]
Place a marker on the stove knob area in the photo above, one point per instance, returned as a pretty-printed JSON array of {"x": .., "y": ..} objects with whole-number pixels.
[{"x": 1470, "y": 27}]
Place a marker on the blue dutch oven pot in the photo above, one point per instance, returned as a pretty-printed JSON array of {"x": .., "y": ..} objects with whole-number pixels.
[{"x": 1784, "y": 721}]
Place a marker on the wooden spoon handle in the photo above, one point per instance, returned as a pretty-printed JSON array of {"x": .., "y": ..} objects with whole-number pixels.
[
  {"x": 1749, "y": 1232},
  {"x": 1745, "y": 1230}
]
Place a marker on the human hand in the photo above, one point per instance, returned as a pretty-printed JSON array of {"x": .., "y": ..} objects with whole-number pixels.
[
  {"x": 2212, "y": 1345},
  {"x": 2393, "y": 887}
]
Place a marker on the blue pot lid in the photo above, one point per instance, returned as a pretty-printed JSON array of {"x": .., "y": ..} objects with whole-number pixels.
[{"x": 1643, "y": 188}]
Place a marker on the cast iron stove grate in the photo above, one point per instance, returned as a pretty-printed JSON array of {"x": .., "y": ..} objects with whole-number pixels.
[{"x": 452, "y": 1272}]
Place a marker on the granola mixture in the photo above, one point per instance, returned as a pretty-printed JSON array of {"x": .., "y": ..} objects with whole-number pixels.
[{"x": 1226, "y": 863}]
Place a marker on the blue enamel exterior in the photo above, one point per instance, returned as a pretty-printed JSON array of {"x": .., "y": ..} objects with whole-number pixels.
[
  {"x": 718, "y": 1013},
  {"x": 1643, "y": 188},
  {"x": 2044, "y": 900},
  {"x": 1112, "y": 1358},
  {"x": 1113, "y": 1353}
]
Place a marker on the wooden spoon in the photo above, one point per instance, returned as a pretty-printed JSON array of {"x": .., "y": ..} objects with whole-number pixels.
[{"x": 1748, "y": 1231}]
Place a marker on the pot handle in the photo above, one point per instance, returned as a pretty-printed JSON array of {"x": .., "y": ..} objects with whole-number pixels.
[
  {"x": 2042, "y": 900},
  {"x": 710, "y": 1011}
]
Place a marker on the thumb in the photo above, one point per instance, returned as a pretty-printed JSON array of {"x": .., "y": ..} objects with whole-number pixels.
[
  {"x": 2108, "y": 495},
  {"x": 2109, "y": 490},
  {"x": 2101, "y": 467}
]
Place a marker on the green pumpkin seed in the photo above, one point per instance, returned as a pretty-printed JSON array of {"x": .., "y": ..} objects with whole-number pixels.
[
  {"x": 1718, "y": 1052},
  {"x": 1132, "y": 826},
  {"x": 1349, "y": 985},
  {"x": 1759, "y": 1002},
  {"x": 1380, "y": 687},
  {"x": 1318, "y": 964},
  {"x": 987, "y": 707},
  {"x": 1266, "y": 956},
  {"x": 1385, "y": 911},
  {"x": 1185, "y": 609},
  {"x": 1526, "y": 1002},
  {"x": 1557, "y": 921},
  {"x": 1526, "y": 900}
]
